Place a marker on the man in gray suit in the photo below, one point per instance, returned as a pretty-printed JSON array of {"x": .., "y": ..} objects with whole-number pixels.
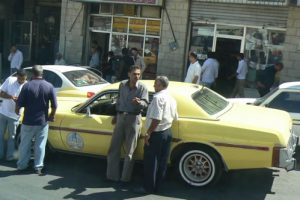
[{"x": 133, "y": 98}]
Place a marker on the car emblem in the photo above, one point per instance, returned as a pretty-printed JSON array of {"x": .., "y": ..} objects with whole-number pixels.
[{"x": 75, "y": 141}]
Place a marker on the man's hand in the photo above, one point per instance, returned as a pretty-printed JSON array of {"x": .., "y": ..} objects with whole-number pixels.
[
  {"x": 114, "y": 120},
  {"x": 51, "y": 118},
  {"x": 146, "y": 140},
  {"x": 14, "y": 98},
  {"x": 260, "y": 85},
  {"x": 136, "y": 101}
]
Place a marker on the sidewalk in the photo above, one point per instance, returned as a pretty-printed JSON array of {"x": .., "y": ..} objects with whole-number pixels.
[{"x": 251, "y": 93}]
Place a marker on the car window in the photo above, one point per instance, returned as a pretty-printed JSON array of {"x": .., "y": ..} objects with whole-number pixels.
[
  {"x": 52, "y": 78},
  {"x": 81, "y": 78},
  {"x": 287, "y": 101},
  {"x": 209, "y": 101},
  {"x": 106, "y": 104},
  {"x": 262, "y": 99}
]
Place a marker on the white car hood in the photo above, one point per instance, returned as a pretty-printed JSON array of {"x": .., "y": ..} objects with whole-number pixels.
[{"x": 93, "y": 88}]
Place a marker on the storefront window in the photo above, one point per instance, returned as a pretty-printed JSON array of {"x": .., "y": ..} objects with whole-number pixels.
[
  {"x": 118, "y": 42},
  {"x": 153, "y": 27},
  {"x": 105, "y": 8},
  {"x": 202, "y": 40},
  {"x": 137, "y": 26},
  {"x": 101, "y": 23},
  {"x": 230, "y": 30},
  {"x": 150, "y": 56},
  {"x": 125, "y": 10},
  {"x": 120, "y": 24},
  {"x": 136, "y": 42}
]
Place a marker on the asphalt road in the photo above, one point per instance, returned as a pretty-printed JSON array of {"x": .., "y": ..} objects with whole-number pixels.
[{"x": 83, "y": 178}]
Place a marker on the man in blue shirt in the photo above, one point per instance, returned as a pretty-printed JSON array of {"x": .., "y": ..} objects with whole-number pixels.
[{"x": 35, "y": 97}]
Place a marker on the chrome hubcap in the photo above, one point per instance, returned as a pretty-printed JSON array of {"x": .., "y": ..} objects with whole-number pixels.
[{"x": 197, "y": 167}]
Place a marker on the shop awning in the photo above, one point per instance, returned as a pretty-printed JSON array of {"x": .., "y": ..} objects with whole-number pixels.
[{"x": 136, "y": 2}]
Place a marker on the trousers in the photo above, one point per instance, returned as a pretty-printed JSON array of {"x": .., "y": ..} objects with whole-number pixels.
[
  {"x": 156, "y": 159},
  {"x": 126, "y": 132}
]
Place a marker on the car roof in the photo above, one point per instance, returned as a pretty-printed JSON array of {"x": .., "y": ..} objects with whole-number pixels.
[
  {"x": 61, "y": 68},
  {"x": 174, "y": 86},
  {"x": 290, "y": 85}
]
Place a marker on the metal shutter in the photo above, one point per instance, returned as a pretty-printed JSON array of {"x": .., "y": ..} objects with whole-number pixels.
[{"x": 244, "y": 14}]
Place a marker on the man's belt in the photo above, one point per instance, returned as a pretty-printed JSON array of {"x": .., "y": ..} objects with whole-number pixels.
[{"x": 128, "y": 113}]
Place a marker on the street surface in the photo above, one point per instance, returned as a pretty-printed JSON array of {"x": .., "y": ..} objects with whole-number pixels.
[{"x": 83, "y": 178}]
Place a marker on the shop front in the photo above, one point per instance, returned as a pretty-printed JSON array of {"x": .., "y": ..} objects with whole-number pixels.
[
  {"x": 257, "y": 31},
  {"x": 114, "y": 25}
]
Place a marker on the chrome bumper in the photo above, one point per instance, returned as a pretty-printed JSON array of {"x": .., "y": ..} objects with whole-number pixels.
[{"x": 286, "y": 159}]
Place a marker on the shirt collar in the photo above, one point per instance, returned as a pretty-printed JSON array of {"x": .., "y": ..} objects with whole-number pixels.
[
  {"x": 136, "y": 85},
  {"x": 164, "y": 91}
]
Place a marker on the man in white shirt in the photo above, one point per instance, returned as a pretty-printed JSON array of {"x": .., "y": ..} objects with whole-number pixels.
[
  {"x": 209, "y": 71},
  {"x": 15, "y": 58},
  {"x": 160, "y": 115},
  {"x": 241, "y": 73},
  {"x": 59, "y": 59},
  {"x": 194, "y": 71},
  {"x": 9, "y": 120}
]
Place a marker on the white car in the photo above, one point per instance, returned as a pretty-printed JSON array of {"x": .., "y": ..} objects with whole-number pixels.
[
  {"x": 71, "y": 81},
  {"x": 286, "y": 97}
]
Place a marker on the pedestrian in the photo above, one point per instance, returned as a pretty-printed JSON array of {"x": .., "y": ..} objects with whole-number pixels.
[
  {"x": 209, "y": 70},
  {"x": 194, "y": 71},
  {"x": 35, "y": 97},
  {"x": 132, "y": 99},
  {"x": 95, "y": 58},
  {"x": 240, "y": 75},
  {"x": 15, "y": 58},
  {"x": 9, "y": 120},
  {"x": 59, "y": 59},
  {"x": 138, "y": 60},
  {"x": 123, "y": 65},
  {"x": 109, "y": 68},
  {"x": 160, "y": 115},
  {"x": 265, "y": 78}
]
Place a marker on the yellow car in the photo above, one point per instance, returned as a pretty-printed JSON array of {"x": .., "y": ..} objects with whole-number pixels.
[{"x": 210, "y": 136}]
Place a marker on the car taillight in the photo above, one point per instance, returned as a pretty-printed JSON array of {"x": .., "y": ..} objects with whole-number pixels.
[
  {"x": 275, "y": 157},
  {"x": 90, "y": 94}
]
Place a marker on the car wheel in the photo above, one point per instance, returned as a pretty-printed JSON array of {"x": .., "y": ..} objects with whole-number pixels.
[{"x": 199, "y": 167}]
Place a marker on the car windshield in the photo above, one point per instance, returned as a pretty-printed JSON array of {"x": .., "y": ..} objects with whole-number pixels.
[
  {"x": 209, "y": 101},
  {"x": 262, "y": 99},
  {"x": 81, "y": 78}
]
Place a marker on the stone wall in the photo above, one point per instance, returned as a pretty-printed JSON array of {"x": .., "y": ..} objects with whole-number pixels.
[
  {"x": 172, "y": 63},
  {"x": 291, "y": 55},
  {"x": 71, "y": 35}
]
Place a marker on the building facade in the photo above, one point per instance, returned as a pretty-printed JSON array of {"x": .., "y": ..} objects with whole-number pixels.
[
  {"x": 165, "y": 31},
  {"x": 30, "y": 24}
]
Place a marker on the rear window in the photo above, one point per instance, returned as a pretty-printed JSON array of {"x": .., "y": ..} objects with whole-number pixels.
[
  {"x": 81, "y": 78},
  {"x": 209, "y": 101}
]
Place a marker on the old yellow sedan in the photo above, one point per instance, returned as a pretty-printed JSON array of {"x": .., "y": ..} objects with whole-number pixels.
[{"x": 210, "y": 136}]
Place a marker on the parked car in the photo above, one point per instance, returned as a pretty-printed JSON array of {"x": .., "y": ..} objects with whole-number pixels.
[
  {"x": 212, "y": 135},
  {"x": 286, "y": 97},
  {"x": 71, "y": 81}
]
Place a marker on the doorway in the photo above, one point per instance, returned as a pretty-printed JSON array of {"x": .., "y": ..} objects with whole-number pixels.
[
  {"x": 226, "y": 49},
  {"x": 102, "y": 40}
]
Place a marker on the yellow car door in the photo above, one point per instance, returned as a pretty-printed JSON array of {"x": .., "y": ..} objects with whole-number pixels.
[{"x": 88, "y": 130}]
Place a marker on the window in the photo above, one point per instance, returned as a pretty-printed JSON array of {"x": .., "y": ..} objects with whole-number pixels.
[
  {"x": 81, "y": 78},
  {"x": 287, "y": 101},
  {"x": 209, "y": 101},
  {"x": 105, "y": 104},
  {"x": 100, "y": 23},
  {"x": 52, "y": 78},
  {"x": 151, "y": 12},
  {"x": 202, "y": 40}
]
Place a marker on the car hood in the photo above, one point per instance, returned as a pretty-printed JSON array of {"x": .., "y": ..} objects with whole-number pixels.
[
  {"x": 259, "y": 119},
  {"x": 93, "y": 88},
  {"x": 81, "y": 91}
]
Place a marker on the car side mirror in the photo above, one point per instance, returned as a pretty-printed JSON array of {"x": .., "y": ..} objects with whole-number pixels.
[{"x": 88, "y": 112}]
